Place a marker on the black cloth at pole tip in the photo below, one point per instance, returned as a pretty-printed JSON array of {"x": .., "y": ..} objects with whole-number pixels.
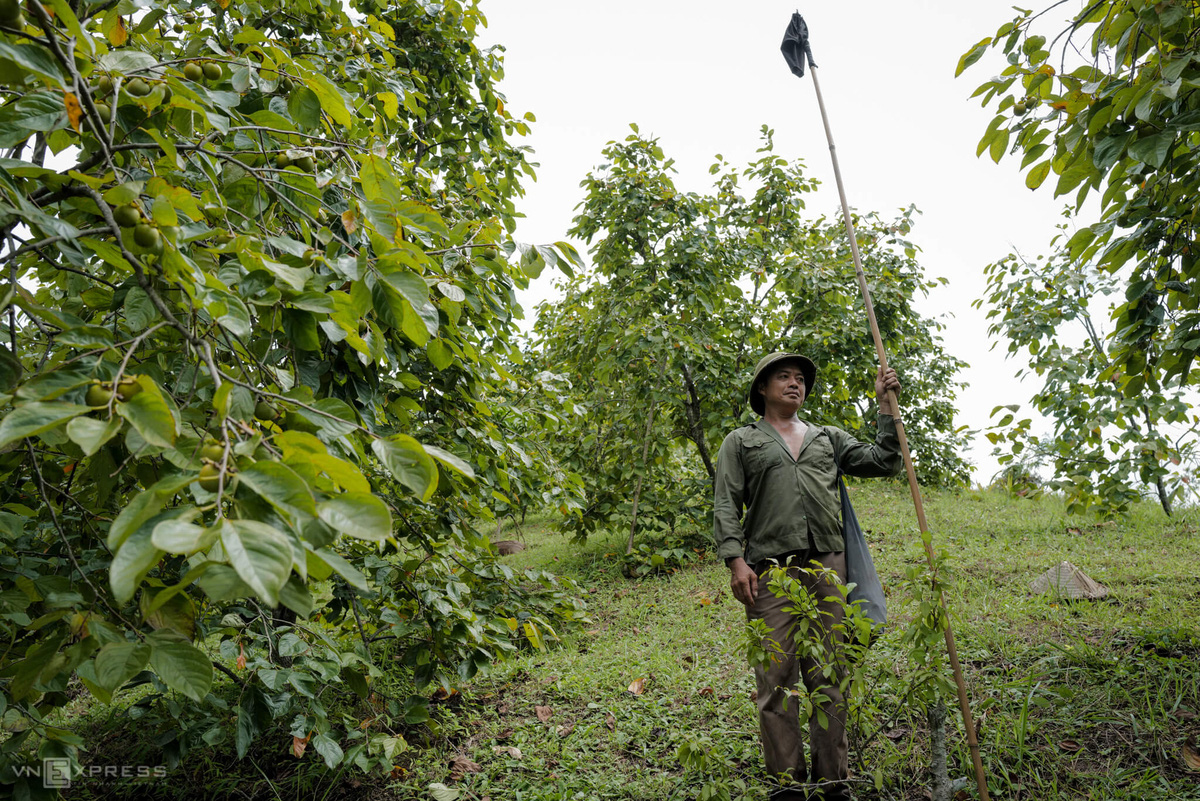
[{"x": 795, "y": 45}]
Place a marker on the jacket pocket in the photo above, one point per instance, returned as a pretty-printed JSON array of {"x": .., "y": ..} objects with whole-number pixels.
[{"x": 761, "y": 454}]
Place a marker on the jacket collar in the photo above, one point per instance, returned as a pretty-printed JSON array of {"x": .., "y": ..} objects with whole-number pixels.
[{"x": 814, "y": 431}]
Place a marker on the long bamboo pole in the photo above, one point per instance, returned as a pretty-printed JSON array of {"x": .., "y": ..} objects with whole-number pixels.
[{"x": 951, "y": 649}]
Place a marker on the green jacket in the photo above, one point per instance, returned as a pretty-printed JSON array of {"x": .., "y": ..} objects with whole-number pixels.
[{"x": 790, "y": 506}]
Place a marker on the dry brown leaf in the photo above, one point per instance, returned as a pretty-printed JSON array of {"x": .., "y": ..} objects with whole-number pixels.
[
  {"x": 511, "y": 750},
  {"x": 299, "y": 744},
  {"x": 610, "y": 722},
  {"x": 350, "y": 220},
  {"x": 896, "y": 734},
  {"x": 707, "y": 691},
  {"x": 460, "y": 766},
  {"x": 563, "y": 731},
  {"x": 1069, "y": 745},
  {"x": 638, "y": 686},
  {"x": 754, "y": 695},
  {"x": 117, "y": 35},
  {"x": 74, "y": 110},
  {"x": 543, "y": 713},
  {"x": 1184, "y": 714},
  {"x": 504, "y": 734},
  {"x": 1191, "y": 754}
]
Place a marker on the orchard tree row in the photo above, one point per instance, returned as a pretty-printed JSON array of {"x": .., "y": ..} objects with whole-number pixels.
[{"x": 258, "y": 309}]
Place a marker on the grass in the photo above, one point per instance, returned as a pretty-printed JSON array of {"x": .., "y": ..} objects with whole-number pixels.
[{"x": 1073, "y": 700}]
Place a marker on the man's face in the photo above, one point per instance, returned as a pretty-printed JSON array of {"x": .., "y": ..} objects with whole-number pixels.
[{"x": 785, "y": 386}]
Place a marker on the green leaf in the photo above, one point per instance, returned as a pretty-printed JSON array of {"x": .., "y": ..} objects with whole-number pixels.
[
  {"x": 343, "y": 568},
  {"x": 176, "y": 611},
  {"x": 1038, "y": 174},
  {"x": 410, "y": 285},
  {"x": 10, "y": 370},
  {"x": 295, "y": 596},
  {"x": 139, "y": 310},
  {"x": 261, "y": 556},
  {"x": 1153, "y": 150},
  {"x": 149, "y": 413},
  {"x": 440, "y": 355},
  {"x": 450, "y": 460},
  {"x": 281, "y": 487},
  {"x": 133, "y": 561},
  {"x": 144, "y": 506},
  {"x": 32, "y": 419},
  {"x": 304, "y": 107},
  {"x": 33, "y": 58},
  {"x": 182, "y": 666},
  {"x": 182, "y": 536},
  {"x": 90, "y": 434},
  {"x": 328, "y": 749},
  {"x": 330, "y": 98},
  {"x": 408, "y": 463},
  {"x": 972, "y": 55},
  {"x": 357, "y": 514},
  {"x": 118, "y": 662}
]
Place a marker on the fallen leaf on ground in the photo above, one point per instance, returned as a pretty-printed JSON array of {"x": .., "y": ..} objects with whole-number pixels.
[
  {"x": 441, "y": 792},
  {"x": 638, "y": 686},
  {"x": 543, "y": 713},
  {"x": 707, "y": 691},
  {"x": 610, "y": 721},
  {"x": 896, "y": 734},
  {"x": 511, "y": 750},
  {"x": 1069, "y": 745},
  {"x": 754, "y": 695},
  {"x": 504, "y": 734},
  {"x": 461, "y": 766},
  {"x": 563, "y": 731},
  {"x": 1191, "y": 754}
]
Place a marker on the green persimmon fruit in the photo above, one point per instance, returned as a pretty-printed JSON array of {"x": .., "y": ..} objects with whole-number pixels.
[
  {"x": 213, "y": 71},
  {"x": 212, "y": 450},
  {"x": 127, "y": 216},
  {"x": 104, "y": 86},
  {"x": 10, "y": 13},
  {"x": 490, "y": 254},
  {"x": 265, "y": 411},
  {"x": 128, "y": 387},
  {"x": 306, "y": 164},
  {"x": 137, "y": 87},
  {"x": 105, "y": 112},
  {"x": 147, "y": 236},
  {"x": 193, "y": 71},
  {"x": 98, "y": 394},
  {"x": 210, "y": 477}
]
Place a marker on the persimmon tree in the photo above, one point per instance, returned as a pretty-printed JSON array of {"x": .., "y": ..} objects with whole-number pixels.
[
  {"x": 1107, "y": 108},
  {"x": 259, "y": 304},
  {"x": 687, "y": 291}
]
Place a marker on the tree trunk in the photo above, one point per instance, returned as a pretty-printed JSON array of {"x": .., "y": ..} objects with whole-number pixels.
[
  {"x": 1163, "y": 498},
  {"x": 637, "y": 492},
  {"x": 695, "y": 431},
  {"x": 941, "y": 788}
]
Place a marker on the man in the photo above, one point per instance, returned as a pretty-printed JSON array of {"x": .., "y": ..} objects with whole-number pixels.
[{"x": 777, "y": 500}]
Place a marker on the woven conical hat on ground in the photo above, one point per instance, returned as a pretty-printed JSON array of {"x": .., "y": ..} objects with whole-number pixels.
[{"x": 1068, "y": 581}]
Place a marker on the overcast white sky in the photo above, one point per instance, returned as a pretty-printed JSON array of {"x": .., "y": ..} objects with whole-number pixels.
[{"x": 705, "y": 76}]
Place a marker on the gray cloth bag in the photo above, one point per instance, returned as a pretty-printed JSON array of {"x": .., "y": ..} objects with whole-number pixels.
[{"x": 860, "y": 567}]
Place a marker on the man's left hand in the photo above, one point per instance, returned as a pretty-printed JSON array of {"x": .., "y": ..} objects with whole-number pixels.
[{"x": 886, "y": 380}]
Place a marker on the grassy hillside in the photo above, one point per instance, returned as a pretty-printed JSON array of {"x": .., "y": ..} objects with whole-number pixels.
[{"x": 1074, "y": 700}]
